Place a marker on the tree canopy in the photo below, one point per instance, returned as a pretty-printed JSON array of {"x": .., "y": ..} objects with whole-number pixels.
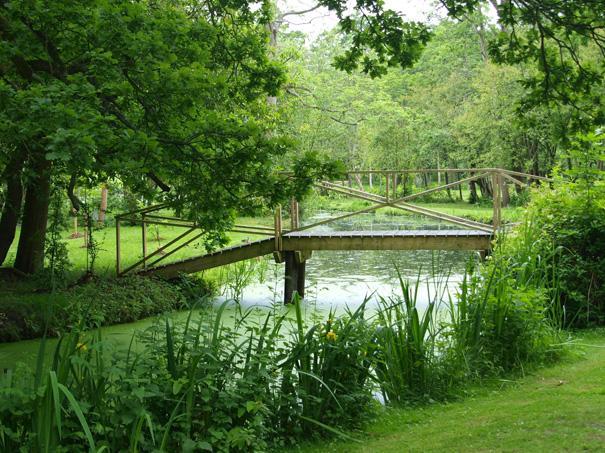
[{"x": 171, "y": 96}]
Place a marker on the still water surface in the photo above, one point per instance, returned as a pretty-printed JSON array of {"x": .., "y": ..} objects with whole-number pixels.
[
  {"x": 335, "y": 280},
  {"x": 345, "y": 278}
]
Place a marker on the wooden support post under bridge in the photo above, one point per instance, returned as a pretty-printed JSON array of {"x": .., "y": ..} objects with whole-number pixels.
[
  {"x": 294, "y": 279},
  {"x": 295, "y": 262}
]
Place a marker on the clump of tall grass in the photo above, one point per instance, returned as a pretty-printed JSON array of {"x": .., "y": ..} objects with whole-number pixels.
[
  {"x": 407, "y": 360},
  {"x": 327, "y": 371},
  {"x": 507, "y": 313}
]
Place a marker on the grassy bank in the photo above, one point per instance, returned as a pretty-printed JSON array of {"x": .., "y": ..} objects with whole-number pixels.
[
  {"x": 559, "y": 408},
  {"x": 131, "y": 245},
  {"x": 26, "y": 305}
]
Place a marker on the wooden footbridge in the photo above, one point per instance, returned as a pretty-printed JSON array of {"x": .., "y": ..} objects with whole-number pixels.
[{"x": 296, "y": 244}]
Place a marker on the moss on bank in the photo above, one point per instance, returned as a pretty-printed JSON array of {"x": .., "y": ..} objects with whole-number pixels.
[{"x": 25, "y": 313}]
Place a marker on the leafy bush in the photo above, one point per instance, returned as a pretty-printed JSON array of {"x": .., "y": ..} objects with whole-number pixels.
[
  {"x": 575, "y": 224},
  {"x": 100, "y": 302},
  {"x": 211, "y": 384}
]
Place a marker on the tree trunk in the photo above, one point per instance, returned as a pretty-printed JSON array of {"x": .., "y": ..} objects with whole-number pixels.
[
  {"x": 359, "y": 183},
  {"x": 30, "y": 252},
  {"x": 12, "y": 204},
  {"x": 485, "y": 187},
  {"x": 449, "y": 190},
  {"x": 103, "y": 207},
  {"x": 472, "y": 187},
  {"x": 505, "y": 194}
]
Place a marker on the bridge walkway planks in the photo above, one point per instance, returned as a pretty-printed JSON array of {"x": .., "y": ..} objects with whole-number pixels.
[{"x": 335, "y": 240}]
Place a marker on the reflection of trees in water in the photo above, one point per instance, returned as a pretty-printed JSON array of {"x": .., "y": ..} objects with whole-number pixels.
[{"x": 383, "y": 264}]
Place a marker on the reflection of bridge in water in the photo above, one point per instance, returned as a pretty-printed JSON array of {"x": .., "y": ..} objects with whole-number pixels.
[{"x": 295, "y": 245}]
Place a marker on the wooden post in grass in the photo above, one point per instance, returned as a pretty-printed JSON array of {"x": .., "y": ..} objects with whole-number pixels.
[
  {"x": 118, "y": 270},
  {"x": 144, "y": 239},
  {"x": 497, "y": 199},
  {"x": 387, "y": 183}
]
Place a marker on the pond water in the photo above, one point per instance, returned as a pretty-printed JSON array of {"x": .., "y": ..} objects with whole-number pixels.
[
  {"x": 341, "y": 279},
  {"x": 335, "y": 280}
]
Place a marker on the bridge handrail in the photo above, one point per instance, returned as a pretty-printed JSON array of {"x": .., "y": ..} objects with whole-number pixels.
[{"x": 149, "y": 216}]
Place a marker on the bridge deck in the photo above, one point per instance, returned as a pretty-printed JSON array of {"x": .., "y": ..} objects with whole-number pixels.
[
  {"x": 335, "y": 240},
  {"x": 388, "y": 240}
]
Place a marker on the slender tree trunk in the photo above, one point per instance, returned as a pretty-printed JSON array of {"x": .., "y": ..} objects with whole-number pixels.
[
  {"x": 505, "y": 194},
  {"x": 12, "y": 205},
  {"x": 472, "y": 187},
  {"x": 103, "y": 207},
  {"x": 447, "y": 181},
  {"x": 359, "y": 182},
  {"x": 30, "y": 252}
]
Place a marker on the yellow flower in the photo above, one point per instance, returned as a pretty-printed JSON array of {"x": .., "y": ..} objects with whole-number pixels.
[
  {"x": 331, "y": 335},
  {"x": 81, "y": 347}
]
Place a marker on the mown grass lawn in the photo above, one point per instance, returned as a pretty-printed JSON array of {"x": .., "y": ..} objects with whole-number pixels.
[
  {"x": 559, "y": 408},
  {"x": 131, "y": 245}
]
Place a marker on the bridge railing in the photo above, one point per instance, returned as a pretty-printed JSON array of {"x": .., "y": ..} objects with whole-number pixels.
[
  {"x": 190, "y": 233},
  {"x": 498, "y": 178},
  {"x": 156, "y": 215}
]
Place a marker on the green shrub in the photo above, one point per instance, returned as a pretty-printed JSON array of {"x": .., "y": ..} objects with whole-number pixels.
[
  {"x": 575, "y": 224},
  {"x": 100, "y": 302}
]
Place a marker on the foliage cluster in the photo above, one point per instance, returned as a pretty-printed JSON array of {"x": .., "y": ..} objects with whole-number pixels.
[
  {"x": 259, "y": 380},
  {"x": 100, "y": 302},
  {"x": 571, "y": 221},
  {"x": 454, "y": 108}
]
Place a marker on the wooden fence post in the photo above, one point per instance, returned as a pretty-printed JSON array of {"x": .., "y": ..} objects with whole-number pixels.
[
  {"x": 118, "y": 270},
  {"x": 497, "y": 200},
  {"x": 294, "y": 211},
  {"x": 144, "y": 239},
  {"x": 278, "y": 228},
  {"x": 387, "y": 177}
]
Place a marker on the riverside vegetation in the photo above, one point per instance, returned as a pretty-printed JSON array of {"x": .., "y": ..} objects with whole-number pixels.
[
  {"x": 265, "y": 380},
  {"x": 218, "y": 109}
]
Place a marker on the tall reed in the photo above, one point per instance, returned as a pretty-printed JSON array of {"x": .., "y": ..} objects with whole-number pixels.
[{"x": 406, "y": 357}]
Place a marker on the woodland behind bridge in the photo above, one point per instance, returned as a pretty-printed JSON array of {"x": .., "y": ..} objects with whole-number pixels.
[{"x": 164, "y": 97}]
